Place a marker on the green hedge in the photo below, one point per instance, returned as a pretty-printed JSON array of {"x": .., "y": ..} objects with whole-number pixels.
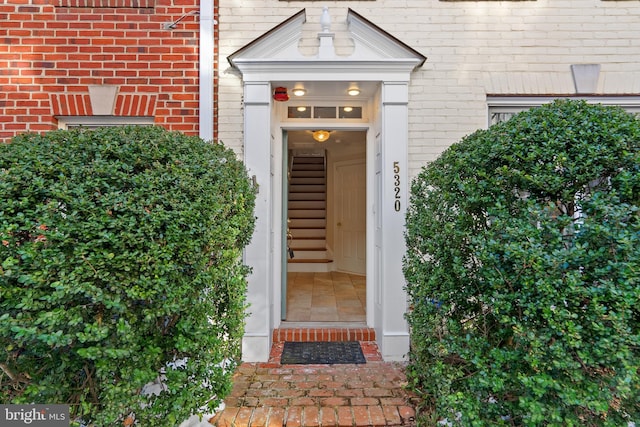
[
  {"x": 523, "y": 267},
  {"x": 121, "y": 258}
]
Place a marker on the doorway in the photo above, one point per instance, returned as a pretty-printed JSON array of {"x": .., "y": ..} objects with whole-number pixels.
[{"x": 325, "y": 280}]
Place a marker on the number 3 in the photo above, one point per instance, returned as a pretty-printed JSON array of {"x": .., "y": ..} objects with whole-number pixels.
[{"x": 396, "y": 185}]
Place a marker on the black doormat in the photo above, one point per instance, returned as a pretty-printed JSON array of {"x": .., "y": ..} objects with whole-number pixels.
[{"x": 324, "y": 353}]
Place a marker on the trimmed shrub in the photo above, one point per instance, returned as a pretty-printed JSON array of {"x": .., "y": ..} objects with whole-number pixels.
[
  {"x": 120, "y": 260},
  {"x": 523, "y": 267}
]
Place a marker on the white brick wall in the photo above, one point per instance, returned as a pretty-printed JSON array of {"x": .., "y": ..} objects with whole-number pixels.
[{"x": 474, "y": 48}]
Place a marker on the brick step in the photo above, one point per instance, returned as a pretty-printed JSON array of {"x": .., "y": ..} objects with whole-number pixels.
[{"x": 323, "y": 334}]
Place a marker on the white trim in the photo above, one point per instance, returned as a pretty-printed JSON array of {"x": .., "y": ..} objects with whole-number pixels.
[
  {"x": 258, "y": 254},
  {"x": 516, "y": 104},
  {"x": 206, "y": 59},
  {"x": 65, "y": 122},
  {"x": 507, "y": 101},
  {"x": 344, "y": 70}
]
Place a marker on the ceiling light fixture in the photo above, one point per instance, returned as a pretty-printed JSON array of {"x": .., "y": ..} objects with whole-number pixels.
[
  {"x": 299, "y": 91},
  {"x": 348, "y": 109},
  {"x": 301, "y": 109},
  {"x": 353, "y": 91},
  {"x": 321, "y": 135}
]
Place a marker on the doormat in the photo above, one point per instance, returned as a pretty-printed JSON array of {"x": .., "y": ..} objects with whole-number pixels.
[{"x": 322, "y": 353}]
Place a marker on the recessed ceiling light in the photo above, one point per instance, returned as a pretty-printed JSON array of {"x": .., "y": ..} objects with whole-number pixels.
[
  {"x": 301, "y": 109},
  {"x": 353, "y": 91},
  {"x": 348, "y": 109},
  {"x": 299, "y": 91}
]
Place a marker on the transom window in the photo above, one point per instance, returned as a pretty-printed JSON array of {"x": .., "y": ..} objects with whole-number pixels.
[{"x": 324, "y": 112}]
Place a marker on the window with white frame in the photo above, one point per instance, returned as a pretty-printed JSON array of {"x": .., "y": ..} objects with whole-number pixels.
[
  {"x": 502, "y": 108},
  {"x": 92, "y": 122},
  {"x": 325, "y": 112}
]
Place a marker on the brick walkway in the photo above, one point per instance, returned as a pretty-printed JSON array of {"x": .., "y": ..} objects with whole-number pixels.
[{"x": 274, "y": 395}]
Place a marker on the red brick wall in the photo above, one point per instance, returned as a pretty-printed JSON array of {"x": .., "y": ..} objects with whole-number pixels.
[{"x": 51, "y": 51}]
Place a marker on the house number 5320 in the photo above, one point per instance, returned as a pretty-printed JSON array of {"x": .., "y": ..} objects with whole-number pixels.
[{"x": 396, "y": 185}]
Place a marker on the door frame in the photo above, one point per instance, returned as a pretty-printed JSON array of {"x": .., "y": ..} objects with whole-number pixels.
[
  {"x": 279, "y": 202},
  {"x": 387, "y": 181},
  {"x": 284, "y": 254}
]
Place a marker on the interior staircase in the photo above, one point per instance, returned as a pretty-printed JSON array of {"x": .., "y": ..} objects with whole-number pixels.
[{"x": 307, "y": 214}]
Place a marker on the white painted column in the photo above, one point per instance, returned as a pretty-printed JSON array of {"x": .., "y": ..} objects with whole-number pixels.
[
  {"x": 394, "y": 342},
  {"x": 257, "y": 112},
  {"x": 206, "y": 70}
]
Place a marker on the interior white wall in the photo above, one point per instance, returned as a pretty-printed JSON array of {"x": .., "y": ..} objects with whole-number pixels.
[{"x": 339, "y": 155}]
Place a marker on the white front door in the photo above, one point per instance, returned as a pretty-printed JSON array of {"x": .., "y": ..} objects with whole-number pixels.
[{"x": 350, "y": 205}]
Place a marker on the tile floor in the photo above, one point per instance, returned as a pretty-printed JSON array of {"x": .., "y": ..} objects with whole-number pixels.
[{"x": 326, "y": 297}]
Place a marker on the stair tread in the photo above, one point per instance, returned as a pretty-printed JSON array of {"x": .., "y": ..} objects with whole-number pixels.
[
  {"x": 308, "y": 158},
  {"x": 307, "y": 173},
  {"x": 307, "y": 210},
  {"x": 307, "y": 167}
]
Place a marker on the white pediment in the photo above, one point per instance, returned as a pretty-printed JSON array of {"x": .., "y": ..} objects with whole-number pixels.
[
  {"x": 278, "y": 49},
  {"x": 281, "y": 42},
  {"x": 372, "y": 42}
]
